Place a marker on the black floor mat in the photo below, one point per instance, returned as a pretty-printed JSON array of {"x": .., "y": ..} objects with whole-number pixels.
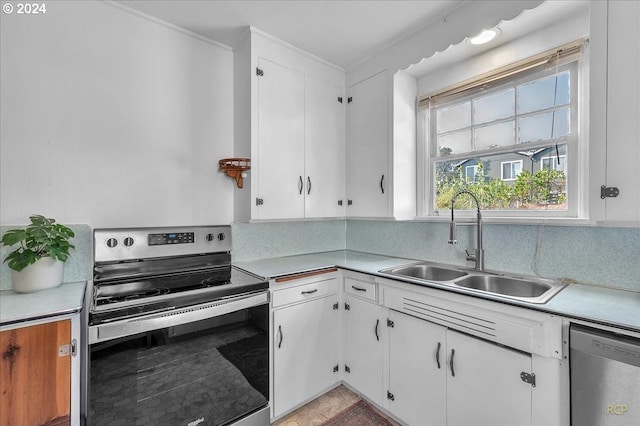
[{"x": 251, "y": 357}]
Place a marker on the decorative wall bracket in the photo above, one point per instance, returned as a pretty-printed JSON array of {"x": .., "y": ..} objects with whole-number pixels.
[{"x": 235, "y": 168}]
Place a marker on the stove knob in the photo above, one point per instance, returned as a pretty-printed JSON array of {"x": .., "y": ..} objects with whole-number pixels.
[
  {"x": 209, "y": 237},
  {"x": 112, "y": 242},
  {"x": 221, "y": 236},
  {"x": 128, "y": 241}
]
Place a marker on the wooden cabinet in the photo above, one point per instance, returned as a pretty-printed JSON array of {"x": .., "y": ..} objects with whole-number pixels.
[
  {"x": 367, "y": 153},
  {"x": 36, "y": 375},
  {"x": 438, "y": 376},
  {"x": 305, "y": 343},
  {"x": 364, "y": 347},
  {"x": 293, "y": 104}
]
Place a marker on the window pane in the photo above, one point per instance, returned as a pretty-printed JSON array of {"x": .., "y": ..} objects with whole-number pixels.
[
  {"x": 544, "y": 126},
  {"x": 501, "y": 134},
  {"x": 454, "y": 117},
  {"x": 454, "y": 143},
  {"x": 544, "y": 93},
  {"x": 494, "y": 107},
  {"x": 517, "y": 180}
]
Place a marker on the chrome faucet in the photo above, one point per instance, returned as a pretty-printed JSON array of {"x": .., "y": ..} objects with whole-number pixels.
[{"x": 478, "y": 256}]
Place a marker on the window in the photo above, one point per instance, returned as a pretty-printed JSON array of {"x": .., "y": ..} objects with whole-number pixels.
[
  {"x": 511, "y": 169},
  {"x": 506, "y": 136}
]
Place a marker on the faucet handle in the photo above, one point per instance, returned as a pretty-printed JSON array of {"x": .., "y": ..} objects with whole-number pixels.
[{"x": 469, "y": 255}]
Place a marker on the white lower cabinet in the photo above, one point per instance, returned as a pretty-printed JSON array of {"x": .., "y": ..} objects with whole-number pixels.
[
  {"x": 306, "y": 344},
  {"x": 438, "y": 376},
  {"x": 363, "y": 347}
]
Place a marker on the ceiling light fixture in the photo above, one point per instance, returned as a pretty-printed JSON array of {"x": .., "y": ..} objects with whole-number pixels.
[{"x": 485, "y": 36}]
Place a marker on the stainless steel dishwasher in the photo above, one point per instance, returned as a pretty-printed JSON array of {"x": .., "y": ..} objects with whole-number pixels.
[{"x": 605, "y": 378}]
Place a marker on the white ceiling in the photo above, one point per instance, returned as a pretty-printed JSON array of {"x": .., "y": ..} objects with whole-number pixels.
[{"x": 343, "y": 32}]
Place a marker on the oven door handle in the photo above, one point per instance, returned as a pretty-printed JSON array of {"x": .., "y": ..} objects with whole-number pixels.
[{"x": 117, "y": 329}]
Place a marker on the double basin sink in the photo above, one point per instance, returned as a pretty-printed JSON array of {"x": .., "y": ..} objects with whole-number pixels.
[{"x": 526, "y": 289}]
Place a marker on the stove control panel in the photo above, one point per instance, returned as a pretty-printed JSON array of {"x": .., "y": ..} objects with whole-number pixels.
[
  {"x": 119, "y": 244},
  {"x": 171, "y": 238}
]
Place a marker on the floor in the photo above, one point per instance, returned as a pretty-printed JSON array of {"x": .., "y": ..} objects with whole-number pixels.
[{"x": 321, "y": 409}]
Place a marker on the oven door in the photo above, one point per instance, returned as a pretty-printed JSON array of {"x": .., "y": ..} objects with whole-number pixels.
[{"x": 203, "y": 365}]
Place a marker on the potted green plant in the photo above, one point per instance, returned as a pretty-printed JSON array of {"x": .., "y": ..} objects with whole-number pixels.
[{"x": 43, "y": 247}]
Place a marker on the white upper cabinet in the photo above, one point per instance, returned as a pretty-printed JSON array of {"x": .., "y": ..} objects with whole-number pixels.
[
  {"x": 324, "y": 149},
  {"x": 367, "y": 169},
  {"x": 623, "y": 111},
  {"x": 292, "y": 102},
  {"x": 281, "y": 135}
]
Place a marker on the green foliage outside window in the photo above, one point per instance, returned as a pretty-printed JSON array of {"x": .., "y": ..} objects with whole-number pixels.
[{"x": 543, "y": 189}]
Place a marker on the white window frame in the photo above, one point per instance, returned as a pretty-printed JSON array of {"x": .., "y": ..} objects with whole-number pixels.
[
  {"x": 577, "y": 169},
  {"x": 554, "y": 159},
  {"x": 466, "y": 173},
  {"x": 512, "y": 162}
]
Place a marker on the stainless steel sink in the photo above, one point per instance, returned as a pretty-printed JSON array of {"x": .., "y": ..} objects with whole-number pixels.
[
  {"x": 533, "y": 290},
  {"x": 526, "y": 289},
  {"x": 426, "y": 272}
]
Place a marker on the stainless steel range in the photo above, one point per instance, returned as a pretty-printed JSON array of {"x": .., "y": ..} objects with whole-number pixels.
[{"x": 176, "y": 334}]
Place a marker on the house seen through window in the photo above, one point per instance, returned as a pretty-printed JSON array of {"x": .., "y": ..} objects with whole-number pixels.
[{"x": 507, "y": 137}]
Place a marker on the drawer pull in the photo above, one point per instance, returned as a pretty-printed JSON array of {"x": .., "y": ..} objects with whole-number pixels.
[
  {"x": 358, "y": 288},
  {"x": 309, "y": 291}
]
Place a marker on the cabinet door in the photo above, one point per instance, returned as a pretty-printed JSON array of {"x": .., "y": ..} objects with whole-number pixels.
[
  {"x": 417, "y": 370},
  {"x": 35, "y": 385},
  {"x": 306, "y": 349},
  {"x": 484, "y": 385},
  {"x": 367, "y": 147},
  {"x": 363, "y": 347},
  {"x": 280, "y": 141},
  {"x": 623, "y": 110},
  {"x": 324, "y": 149}
]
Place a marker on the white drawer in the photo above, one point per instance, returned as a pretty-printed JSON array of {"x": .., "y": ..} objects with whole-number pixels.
[
  {"x": 364, "y": 289},
  {"x": 304, "y": 292}
]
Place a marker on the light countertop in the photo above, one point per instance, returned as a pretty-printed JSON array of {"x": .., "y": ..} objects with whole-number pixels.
[
  {"x": 602, "y": 305},
  {"x": 67, "y": 298}
]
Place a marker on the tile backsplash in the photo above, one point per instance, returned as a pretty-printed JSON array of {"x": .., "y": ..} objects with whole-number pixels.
[
  {"x": 77, "y": 268},
  {"x": 601, "y": 256}
]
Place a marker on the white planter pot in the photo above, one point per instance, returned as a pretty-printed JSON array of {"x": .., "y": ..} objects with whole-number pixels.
[{"x": 45, "y": 273}]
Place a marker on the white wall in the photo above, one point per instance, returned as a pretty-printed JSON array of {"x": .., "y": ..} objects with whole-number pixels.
[{"x": 112, "y": 119}]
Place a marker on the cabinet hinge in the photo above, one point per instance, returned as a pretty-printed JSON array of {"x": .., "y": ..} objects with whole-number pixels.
[
  {"x": 390, "y": 323},
  {"x": 390, "y": 396},
  {"x": 347, "y": 369},
  {"x": 339, "y": 202},
  {"x": 336, "y": 306},
  {"x": 259, "y": 201},
  {"x": 349, "y": 202},
  {"x": 350, "y": 99},
  {"x": 68, "y": 349},
  {"x": 259, "y": 72},
  {"x": 347, "y": 306},
  {"x": 609, "y": 192},
  {"x": 336, "y": 368},
  {"x": 340, "y": 99},
  {"x": 528, "y": 378}
]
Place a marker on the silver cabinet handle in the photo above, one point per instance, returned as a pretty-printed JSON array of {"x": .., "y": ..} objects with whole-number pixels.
[{"x": 308, "y": 185}]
